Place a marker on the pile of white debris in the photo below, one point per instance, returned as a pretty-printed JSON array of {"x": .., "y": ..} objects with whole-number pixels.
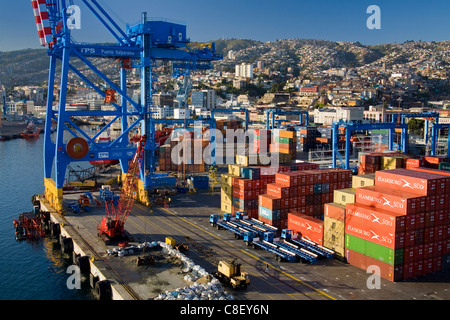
[{"x": 206, "y": 288}]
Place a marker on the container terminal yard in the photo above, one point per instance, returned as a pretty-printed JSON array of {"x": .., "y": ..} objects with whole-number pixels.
[{"x": 160, "y": 226}]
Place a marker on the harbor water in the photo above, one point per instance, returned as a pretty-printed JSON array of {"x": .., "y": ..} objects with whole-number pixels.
[{"x": 29, "y": 270}]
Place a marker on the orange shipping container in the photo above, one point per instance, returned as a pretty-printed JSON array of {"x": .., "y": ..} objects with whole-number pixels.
[
  {"x": 277, "y": 191},
  {"x": 387, "y": 271},
  {"x": 270, "y": 202},
  {"x": 420, "y": 183},
  {"x": 389, "y": 199},
  {"x": 308, "y": 227},
  {"x": 335, "y": 211}
]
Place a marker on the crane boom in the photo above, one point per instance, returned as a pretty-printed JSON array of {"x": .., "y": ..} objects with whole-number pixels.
[{"x": 112, "y": 224}]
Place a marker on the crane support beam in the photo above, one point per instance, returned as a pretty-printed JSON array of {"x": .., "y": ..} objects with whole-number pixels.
[{"x": 350, "y": 127}]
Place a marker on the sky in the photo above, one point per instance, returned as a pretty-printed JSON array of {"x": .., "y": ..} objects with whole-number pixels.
[{"x": 263, "y": 20}]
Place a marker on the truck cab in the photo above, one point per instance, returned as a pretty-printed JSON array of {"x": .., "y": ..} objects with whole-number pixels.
[{"x": 230, "y": 273}]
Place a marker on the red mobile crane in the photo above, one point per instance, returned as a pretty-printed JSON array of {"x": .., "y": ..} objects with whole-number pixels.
[{"x": 112, "y": 225}]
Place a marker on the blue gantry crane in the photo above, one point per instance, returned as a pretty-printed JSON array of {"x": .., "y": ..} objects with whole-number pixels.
[{"x": 137, "y": 46}]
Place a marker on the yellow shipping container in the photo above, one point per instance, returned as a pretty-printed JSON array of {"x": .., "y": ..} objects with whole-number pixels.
[
  {"x": 366, "y": 180},
  {"x": 344, "y": 196},
  {"x": 388, "y": 163},
  {"x": 234, "y": 170},
  {"x": 225, "y": 198},
  {"x": 287, "y": 134},
  {"x": 334, "y": 236},
  {"x": 242, "y": 160},
  {"x": 227, "y": 189},
  {"x": 226, "y": 179},
  {"x": 226, "y": 207}
]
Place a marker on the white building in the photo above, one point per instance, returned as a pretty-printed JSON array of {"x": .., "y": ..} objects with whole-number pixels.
[
  {"x": 327, "y": 116},
  {"x": 204, "y": 98},
  {"x": 162, "y": 112},
  {"x": 181, "y": 113},
  {"x": 244, "y": 70}
]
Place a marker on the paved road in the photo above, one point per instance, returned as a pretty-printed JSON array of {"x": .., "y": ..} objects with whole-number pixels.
[{"x": 187, "y": 220}]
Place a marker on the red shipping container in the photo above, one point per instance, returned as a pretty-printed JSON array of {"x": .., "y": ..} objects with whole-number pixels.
[
  {"x": 408, "y": 270},
  {"x": 428, "y": 250},
  {"x": 284, "y": 203},
  {"x": 335, "y": 211},
  {"x": 419, "y": 236},
  {"x": 418, "y": 268},
  {"x": 409, "y": 254},
  {"x": 388, "y": 199},
  {"x": 421, "y": 183},
  {"x": 326, "y": 198},
  {"x": 429, "y": 219},
  {"x": 438, "y": 249},
  {"x": 287, "y": 179},
  {"x": 270, "y": 202},
  {"x": 308, "y": 227},
  {"x": 420, "y": 220},
  {"x": 277, "y": 190},
  {"x": 438, "y": 233},
  {"x": 412, "y": 163},
  {"x": 428, "y": 266},
  {"x": 390, "y": 240},
  {"x": 428, "y": 236},
  {"x": 437, "y": 264},
  {"x": 387, "y": 271},
  {"x": 379, "y": 220}
]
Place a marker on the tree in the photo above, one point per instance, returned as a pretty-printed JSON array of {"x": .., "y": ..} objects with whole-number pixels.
[{"x": 416, "y": 126}]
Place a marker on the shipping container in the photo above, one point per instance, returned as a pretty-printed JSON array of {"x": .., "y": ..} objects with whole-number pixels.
[
  {"x": 344, "y": 196},
  {"x": 385, "y": 270},
  {"x": 335, "y": 211},
  {"x": 277, "y": 191},
  {"x": 378, "y": 222},
  {"x": 366, "y": 180},
  {"x": 417, "y": 182},
  {"x": 374, "y": 250},
  {"x": 306, "y": 226},
  {"x": 268, "y": 213},
  {"x": 269, "y": 201},
  {"x": 398, "y": 201}
]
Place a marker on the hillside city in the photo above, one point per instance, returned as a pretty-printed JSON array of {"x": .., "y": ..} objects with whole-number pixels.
[{"x": 331, "y": 80}]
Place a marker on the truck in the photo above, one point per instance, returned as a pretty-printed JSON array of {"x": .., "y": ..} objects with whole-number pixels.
[{"x": 229, "y": 273}]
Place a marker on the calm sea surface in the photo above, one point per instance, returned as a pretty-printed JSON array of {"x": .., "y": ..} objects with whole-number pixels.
[{"x": 28, "y": 270}]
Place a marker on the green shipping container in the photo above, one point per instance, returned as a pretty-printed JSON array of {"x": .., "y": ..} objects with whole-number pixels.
[
  {"x": 444, "y": 166},
  {"x": 283, "y": 140},
  {"x": 374, "y": 250}
]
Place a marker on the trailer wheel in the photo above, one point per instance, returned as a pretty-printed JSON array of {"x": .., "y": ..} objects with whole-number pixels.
[{"x": 103, "y": 290}]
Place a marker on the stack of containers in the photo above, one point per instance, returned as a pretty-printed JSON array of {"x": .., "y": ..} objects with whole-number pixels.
[
  {"x": 401, "y": 224},
  {"x": 307, "y": 137},
  {"x": 168, "y": 159},
  {"x": 303, "y": 192},
  {"x": 284, "y": 142},
  {"x": 262, "y": 140},
  {"x": 374, "y": 161},
  {"x": 334, "y": 228},
  {"x": 433, "y": 161},
  {"x": 226, "y": 192}
]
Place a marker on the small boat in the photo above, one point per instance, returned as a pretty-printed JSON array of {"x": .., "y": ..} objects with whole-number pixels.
[{"x": 31, "y": 131}]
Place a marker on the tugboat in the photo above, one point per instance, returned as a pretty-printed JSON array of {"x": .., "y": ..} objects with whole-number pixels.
[{"x": 31, "y": 131}]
